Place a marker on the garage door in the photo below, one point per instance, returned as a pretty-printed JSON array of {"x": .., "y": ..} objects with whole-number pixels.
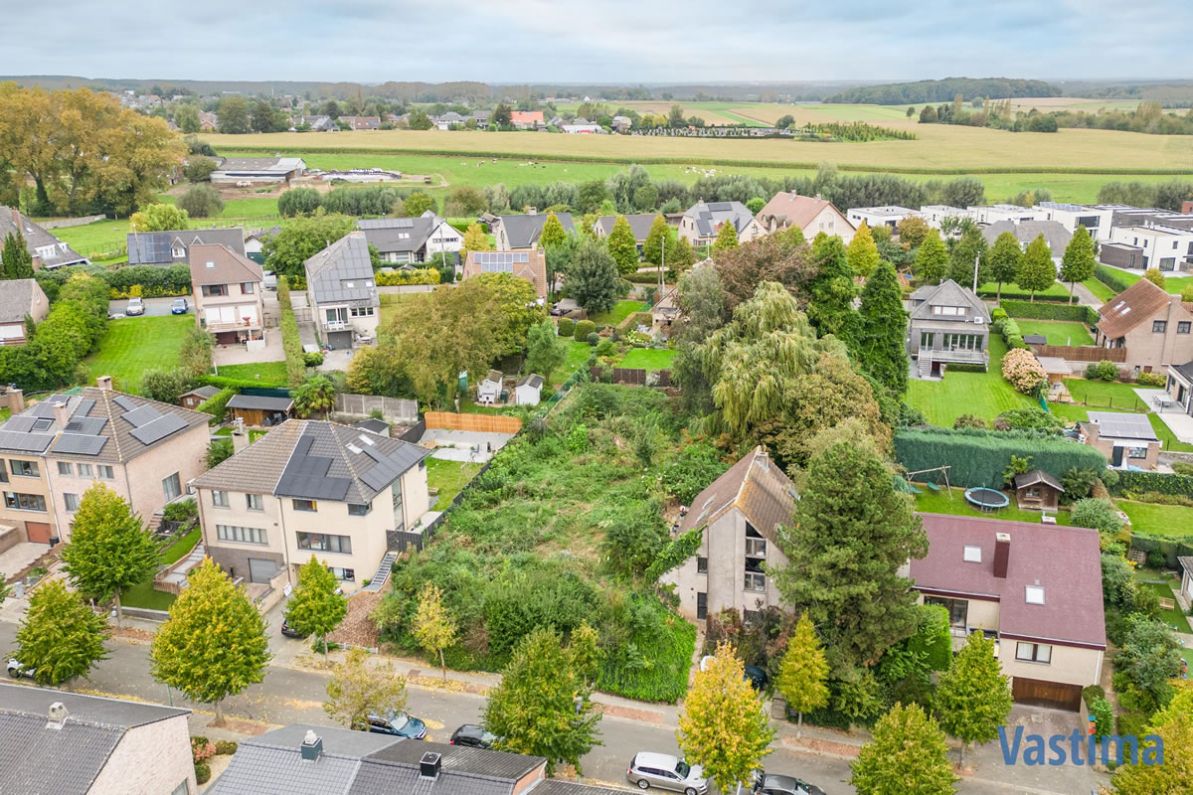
[
  {"x": 339, "y": 340},
  {"x": 38, "y": 532},
  {"x": 262, "y": 570},
  {"x": 1046, "y": 694}
]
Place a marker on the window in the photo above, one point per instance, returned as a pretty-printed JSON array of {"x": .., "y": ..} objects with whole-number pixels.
[
  {"x": 958, "y": 609},
  {"x": 253, "y": 502},
  {"x": 3, "y": 473},
  {"x": 949, "y": 311},
  {"x": 1136, "y": 452},
  {"x": 1184, "y": 326},
  {"x": 359, "y": 510},
  {"x": 26, "y": 469},
  {"x": 215, "y": 290},
  {"x": 972, "y": 554},
  {"x": 926, "y": 339},
  {"x": 87, "y": 471},
  {"x": 24, "y": 502},
  {"x": 1159, "y": 326},
  {"x": 755, "y": 581},
  {"x": 105, "y": 471},
  {"x": 362, "y": 311},
  {"x": 248, "y": 288},
  {"x": 348, "y": 575},
  {"x": 71, "y": 501},
  {"x": 65, "y": 469},
  {"x": 701, "y": 606},
  {"x": 322, "y": 542},
  {"x": 1034, "y": 594},
  {"x": 172, "y": 487},
  {"x": 755, "y": 547},
  {"x": 219, "y": 499},
  {"x": 310, "y": 506},
  {"x": 701, "y": 565},
  {"x": 243, "y": 535},
  {"x": 1033, "y": 652}
]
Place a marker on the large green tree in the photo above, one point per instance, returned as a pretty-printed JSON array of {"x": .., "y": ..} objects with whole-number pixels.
[
  {"x": 973, "y": 697},
  {"x": 545, "y": 351},
  {"x": 592, "y": 277},
  {"x": 851, "y": 533},
  {"x": 1174, "y": 726},
  {"x": 623, "y": 247},
  {"x": 907, "y": 754},
  {"x": 862, "y": 252},
  {"x": 879, "y": 342},
  {"x": 315, "y": 396},
  {"x": 60, "y": 637},
  {"x": 187, "y": 118},
  {"x": 658, "y": 242},
  {"x": 109, "y": 550},
  {"x": 357, "y": 690},
  {"x": 803, "y": 671},
  {"x": 543, "y": 704},
  {"x": 233, "y": 114},
  {"x": 553, "y": 233},
  {"x": 1003, "y": 262},
  {"x": 723, "y": 726},
  {"x": 316, "y": 607},
  {"x": 159, "y": 217},
  {"x": 968, "y": 257},
  {"x": 726, "y": 239},
  {"x": 15, "y": 260},
  {"x": 932, "y": 259},
  {"x": 1079, "y": 261},
  {"x": 1037, "y": 272},
  {"x": 832, "y": 290},
  {"x": 302, "y": 238},
  {"x": 213, "y": 645}
]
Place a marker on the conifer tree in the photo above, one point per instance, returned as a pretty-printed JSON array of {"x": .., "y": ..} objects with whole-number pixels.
[
  {"x": 15, "y": 261},
  {"x": 726, "y": 239},
  {"x": 553, "y": 234},
  {"x": 831, "y": 305},
  {"x": 880, "y": 342}
]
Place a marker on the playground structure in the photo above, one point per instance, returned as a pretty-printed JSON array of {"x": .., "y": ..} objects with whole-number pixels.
[
  {"x": 987, "y": 499},
  {"x": 944, "y": 471}
]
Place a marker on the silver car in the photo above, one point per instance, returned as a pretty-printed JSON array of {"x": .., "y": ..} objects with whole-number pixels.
[{"x": 666, "y": 772}]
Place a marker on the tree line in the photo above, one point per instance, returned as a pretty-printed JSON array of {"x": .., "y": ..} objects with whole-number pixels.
[{"x": 944, "y": 90}]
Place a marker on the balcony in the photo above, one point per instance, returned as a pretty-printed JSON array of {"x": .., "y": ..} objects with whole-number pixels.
[
  {"x": 956, "y": 356},
  {"x": 336, "y": 325},
  {"x": 240, "y": 325}
]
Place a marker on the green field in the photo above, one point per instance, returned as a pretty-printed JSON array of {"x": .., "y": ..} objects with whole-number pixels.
[
  {"x": 648, "y": 359},
  {"x": 953, "y": 502},
  {"x": 449, "y": 477},
  {"x": 267, "y": 373},
  {"x": 985, "y": 395},
  {"x": 136, "y": 344},
  {"x": 620, "y": 311},
  {"x": 1158, "y": 520},
  {"x": 1057, "y": 332}
]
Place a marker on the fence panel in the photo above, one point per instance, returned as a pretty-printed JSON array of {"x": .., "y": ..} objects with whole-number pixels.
[
  {"x": 394, "y": 409},
  {"x": 476, "y": 423},
  {"x": 1081, "y": 353}
]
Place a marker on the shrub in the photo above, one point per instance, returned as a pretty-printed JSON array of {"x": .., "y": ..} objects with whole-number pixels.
[
  {"x": 413, "y": 276},
  {"x": 202, "y": 749},
  {"x": 593, "y": 339},
  {"x": 1100, "y": 515},
  {"x": 165, "y": 385},
  {"x": 1182, "y": 468},
  {"x": 686, "y": 475},
  {"x": 1104, "y": 370},
  {"x": 1029, "y": 420},
  {"x": 1141, "y": 482},
  {"x": 971, "y": 421},
  {"x": 1047, "y": 311},
  {"x": 225, "y": 747},
  {"x": 1103, "y": 716},
  {"x": 202, "y": 772},
  {"x": 201, "y": 201},
  {"x": 1091, "y": 693},
  {"x": 1024, "y": 371},
  {"x": 1110, "y": 278},
  {"x": 978, "y": 458},
  {"x": 997, "y": 314},
  {"x": 312, "y": 359},
  {"x": 299, "y": 201},
  {"x": 565, "y": 327},
  {"x": 583, "y": 328},
  {"x": 1078, "y": 483},
  {"x": 198, "y": 169},
  {"x": 217, "y": 404},
  {"x": 1151, "y": 379},
  {"x": 153, "y": 281}
]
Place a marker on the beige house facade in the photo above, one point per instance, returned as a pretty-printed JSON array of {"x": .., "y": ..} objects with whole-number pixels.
[
  {"x": 1154, "y": 326},
  {"x": 812, "y": 215},
  {"x": 227, "y": 292},
  {"x": 703, "y": 220},
  {"x": 20, "y": 300}
]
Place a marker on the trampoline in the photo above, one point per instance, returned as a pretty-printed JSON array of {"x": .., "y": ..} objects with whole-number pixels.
[{"x": 987, "y": 499}]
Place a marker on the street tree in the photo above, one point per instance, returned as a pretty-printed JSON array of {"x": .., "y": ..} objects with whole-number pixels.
[
  {"x": 724, "y": 727},
  {"x": 357, "y": 690},
  {"x": 878, "y": 343},
  {"x": 545, "y": 351},
  {"x": 622, "y": 246},
  {"x": 15, "y": 260},
  {"x": 862, "y": 252},
  {"x": 109, "y": 550},
  {"x": 973, "y": 698},
  {"x": 433, "y": 628},
  {"x": 908, "y": 753},
  {"x": 1174, "y": 726},
  {"x": 213, "y": 645},
  {"x": 932, "y": 259},
  {"x": 726, "y": 239},
  {"x": 1036, "y": 270},
  {"x": 803, "y": 671},
  {"x": 658, "y": 241},
  {"x": 543, "y": 705},
  {"x": 1004, "y": 260},
  {"x": 830, "y": 307},
  {"x": 553, "y": 234},
  {"x": 592, "y": 277},
  {"x": 316, "y": 607},
  {"x": 316, "y": 395},
  {"x": 158, "y": 218},
  {"x": 1079, "y": 262},
  {"x": 60, "y": 637}
]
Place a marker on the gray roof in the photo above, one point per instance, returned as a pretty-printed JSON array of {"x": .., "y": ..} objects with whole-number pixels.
[
  {"x": 1037, "y": 476},
  {"x": 709, "y": 216},
  {"x": 523, "y": 231},
  {"x": 206, "y": 392},
  {"x": 250, "y": 166},
  {"x": 157, "y": 248},
  {"x": 17, "y": 298},
  {"x": 13, "y": 220},
  {"x": 1185, "y": 370},
  {"x": 37, "y": 759},
  {"x": 343, "y": 272},
  {"x": 534, "y": 380},
  {"x": 398, "y": 235},
  {"x": 261, "y": 402},
  {"x": 216, "y": 264},
  {"x": 947, "y": 293},
  {"x": 318, "y": 460},
  {"x": 1114, "y": 425},
  {"x": 640, "y": 223},
  {"x": 1054, "y": 233}
]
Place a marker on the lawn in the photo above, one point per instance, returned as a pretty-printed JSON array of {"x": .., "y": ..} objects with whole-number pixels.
[
  {"x": 449, "y": 477},
  {"x": 953, "y": 503},
  {"x": 985, "y": 395},
  {"x": 1168, "y": 440},
  {"x": 136, "y": 344},
  {"x": 1152, "y": 519},
  {"x": 1105, "y": 395},
  {"x": 1161, "y": 585},
  {"x": 267, "y": 373},
  {"x": 1172, "y": 284},
  {"x": 620, "y": 311},
  {"x": 1103, "y": 292},
  {"x": 1057, "y": 332},
  {"x": 577, "y": 354},
  {"x": 143, "y": 594},
  {"x": 1057, "y": 291},
  {"x": 648, "y": 359}
]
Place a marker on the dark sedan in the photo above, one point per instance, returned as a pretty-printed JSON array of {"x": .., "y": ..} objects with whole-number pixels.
[
  {"x": 291, "y": 632},
  {"x": 398, "y": 724},
  {"x": 776, "y": 784},
  {"x": 473, "y": 735}
]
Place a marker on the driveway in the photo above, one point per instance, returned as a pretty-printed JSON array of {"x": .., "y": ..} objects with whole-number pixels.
[{"x": 154, "y": 307}]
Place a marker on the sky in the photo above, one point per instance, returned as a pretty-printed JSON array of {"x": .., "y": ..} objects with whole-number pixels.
[{"x": 599, "y": 41}]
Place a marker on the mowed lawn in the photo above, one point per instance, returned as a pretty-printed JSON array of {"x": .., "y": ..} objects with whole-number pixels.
[
  {"x": 1108, "y": 395},
  {"x": 1172, "y": 284},
  {"x": 620, "y": 311},
  {"x": 1161, "y": 584},
  {"x": 984, "y": 395},
  {"x": 578, "y": 353},
  {"x": 1158, "y": 520},
  {"x": 1057, "y": 332},
  {"x": 136, "y": 344},
  {"x": 144, "y": 594},
  {"x": 648, "y": 359},
  {"x": 266, "y": 373},
  {"x": 449, "y": 477},
  {"x": 953, "y": 502}
]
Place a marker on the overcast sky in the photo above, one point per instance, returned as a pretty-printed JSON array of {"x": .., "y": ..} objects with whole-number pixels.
[{"x": 546, "y": 41}]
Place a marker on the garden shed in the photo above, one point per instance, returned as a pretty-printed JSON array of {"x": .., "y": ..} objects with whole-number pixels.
[
  {"x": 1038, "y": 491},
  {"x": 261, "y": 411}
]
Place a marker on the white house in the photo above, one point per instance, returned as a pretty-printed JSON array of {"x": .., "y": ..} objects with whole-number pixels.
[
  {"x": 993, "y": 213},
  {"x": 528, "y": 390},
  {"x": 1096, "y": 220},
  {"x": 875, "y": 217},
  {"x": 488, "y": 391},
  {"x": 1165, "y": 247}
]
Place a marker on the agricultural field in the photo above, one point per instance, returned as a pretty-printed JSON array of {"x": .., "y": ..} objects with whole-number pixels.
[{"x": 136, "y": 344}]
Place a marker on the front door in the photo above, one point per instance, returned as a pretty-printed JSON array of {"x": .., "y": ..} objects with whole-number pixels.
[
  {"x": 1117, "y": 458},
  {"x": 38, "y": 532},
  {"x": 262, "y": 570}
]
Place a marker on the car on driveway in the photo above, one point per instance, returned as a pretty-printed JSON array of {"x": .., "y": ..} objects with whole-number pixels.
[
  {"x": 398, "y": 724},
  {"x": 664, "y": 771},
  {"x": 179, "y": 307},
  {"x": 291, "y": 632},
  {"x": 474, "y": 736},
  {"x": 135, "y": 307},
  {"x": 778, "y": 784},
  {"x": 18, "y": 671}
]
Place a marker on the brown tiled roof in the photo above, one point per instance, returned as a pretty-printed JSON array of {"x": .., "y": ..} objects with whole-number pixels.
[
  {"x": 754, "y": 485},
  {"x": 530, "y": 265},
  {"x": 1064, "y": 561},
  {"x": 218, "y": 264},
  {"x": 1132, "y": 306},
  {"x": 794, "y": 209}
]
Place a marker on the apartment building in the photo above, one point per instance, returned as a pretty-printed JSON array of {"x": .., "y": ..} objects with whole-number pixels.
[{"x": 227, "y": 292}]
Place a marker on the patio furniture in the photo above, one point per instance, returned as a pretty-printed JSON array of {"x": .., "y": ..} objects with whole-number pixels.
[
  {"x": 987, "y": 499},
  {"x": 1047, "y": 519}
]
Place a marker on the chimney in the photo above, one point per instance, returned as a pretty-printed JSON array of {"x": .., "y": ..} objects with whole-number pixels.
[
  {"x": 61, "y": 415},
  {"x": 428, "y": 766},
  {"x": 312, "y": 746},
  {"x": 16, "y": 400},
  {"x": 104, "y": 382},
  {"x": 1002, "y": 554},
  {"x": 240, "y": 436},
  {"x": 58, "y": 715}
]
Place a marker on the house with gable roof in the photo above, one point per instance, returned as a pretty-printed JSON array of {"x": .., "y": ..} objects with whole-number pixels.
[
  {"x": 411, "y": 240},
  {"x": 811, "y": 214},
  {"x": 46, "y": 250},
  {"x": 1154, "y": 326},
  {"x": 342, "y": 293},
  {"x": 20, "y": 299},
  {"x": 518, "y": 232},
  {"x": 227, "y": 289},
  {"x": 173, "y": 247},
  {"x": 947, "y": 324},
  {"x": 701, "y": 222}
]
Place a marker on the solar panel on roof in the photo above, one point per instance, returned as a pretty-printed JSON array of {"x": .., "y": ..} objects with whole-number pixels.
[
  {"x": 125, "y": 402},
  {"x": 47, "y": 406},
  {"x": 79, "y": 444},
  {"x": 158, "y": 429},
  {"x": 22, "y": 423},
  {"x": 83, "y": 408},
  {"x": 25, "y": 442},
  {"x": 142, "y": 415},
  {"x": 87, "y": 425}
]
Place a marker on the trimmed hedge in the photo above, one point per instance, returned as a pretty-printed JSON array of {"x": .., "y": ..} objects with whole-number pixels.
[
  {"x": 1170, "y": 548},
  {"x": 1013, "y": 292},
  {"x": 155, "y": 282},
  {"x": 1163, "y": 483},
  {"x": 565, "y": 327},
  {"x": 415, "y": 276},
  {"x": 217, "y": 404},
  {"x": 979, "y": 458},
  {"x": 296, "y": 366},
  {"x": 1047, "y": 311}
]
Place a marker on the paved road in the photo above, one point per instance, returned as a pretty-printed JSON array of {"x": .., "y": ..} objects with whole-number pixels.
[{"x": 154, "y": 307}]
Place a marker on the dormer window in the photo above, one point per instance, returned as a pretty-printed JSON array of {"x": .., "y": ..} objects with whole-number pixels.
[
  {"x": 1034, "y": 594},
  {"x": 972, "y": 554}
]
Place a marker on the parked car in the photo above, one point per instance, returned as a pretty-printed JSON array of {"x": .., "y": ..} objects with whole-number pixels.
[
  {"x": 270, "y": 280},
  {"x": 291, "y": 632},
  {"x": 18, "y": 671},
  {"x": 752, "y": 673},
  {"x": 179, "y": 307},
  {"x": 135, "y": 307},
  {"x": 398, "y": 724},
  {"x": 668, "y": 772},
  {"x": 777, "y": 784},
  {"x": 474, "y": 736}
]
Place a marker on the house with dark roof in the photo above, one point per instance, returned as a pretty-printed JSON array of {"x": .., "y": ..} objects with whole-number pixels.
[
  {"x": 52, "y": 741},
  {"x": 227, "y": 290},
  {"x": 811, "y": 214},
  {"x": 173, "y": 248},
  {"x": 1038, "y": 491},
  {"x": 1054, "y": 233},
  {"x": 1154, "y": 326},
  {"x": 411, "y": 240},
  {"x": 342, "y": 293},
  {"x": 1127, "y": 440},
  {"x": 640, "y": 224},
  {"x": 703, "y": 220},
  {"x": 361, "y": 122},
  {"x": 947, "y": 324},
  {"x": 518, "y": 232},
  {"x": 46, "y": 250},
  {"x": 1003, "y": 579},
  {"x": 313, "y": 488},
  {"x": 1180, "y": 385},
  {"x": 256, "y": 170},
  {"x": 54, "y": 450},
  {"x": 741, "y": 513},
  {"x": 529, "y": 264},
  {"x": 21, "y": 299}
]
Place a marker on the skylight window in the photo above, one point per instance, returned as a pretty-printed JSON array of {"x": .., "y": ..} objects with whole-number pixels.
[
  {"x": 972, "y": 554},
  {"x": 1035, "y": 595}
]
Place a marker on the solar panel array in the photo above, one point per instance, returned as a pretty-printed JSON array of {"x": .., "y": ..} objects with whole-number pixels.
[
  {"x": 385, "y": 223},
  {"x": 88, "y": 425},
  {"x": 83, "y": 408},
  {"x": 25, "y": 442},
  {"x": 388, "y": 468},
  {"x": 79, "y": 444},
  {"x": 22, "y": 423},
  {"x": 149, "y": 424},
  {"x": 501, "y": 261},
  {"x": 1123, "y": 426},
  {"x": 306, "y": 475},
  {"x": 125, "y": 402}
]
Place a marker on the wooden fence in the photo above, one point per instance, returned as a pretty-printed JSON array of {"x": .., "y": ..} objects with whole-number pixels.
[
  {"x": 632, "y": 376},
  {"x": 1081, "y": 353},
  {"x": 476, "y": 423}
]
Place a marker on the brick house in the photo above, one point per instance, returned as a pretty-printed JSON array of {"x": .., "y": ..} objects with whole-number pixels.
[{"x": 1154, "y": 326}]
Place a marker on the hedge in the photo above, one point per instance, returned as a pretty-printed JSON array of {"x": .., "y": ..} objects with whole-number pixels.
[
  {"x": 217, "y": 404},
  {"x": 1143, "y": 482},
  {"x": 1046, "y": 311},
  {"x": 1014, "y": 292},
  {"x": 296, "y": 366},
  {"x": 227, "y": 382},
  {"x": 1110, "y": 278},
  {"x": 415, "y": 276},
  {"x": 155, "y": 282},
  {"x": 979, "y": 458},
  {"x": 1170, "y": 548}
]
